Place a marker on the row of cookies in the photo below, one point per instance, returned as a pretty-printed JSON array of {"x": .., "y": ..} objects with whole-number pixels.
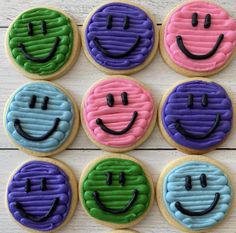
[
  {"x": 118, "y": 113},
  {"x": 197, "y": 38},
  {"x": 194, "y": 193}
]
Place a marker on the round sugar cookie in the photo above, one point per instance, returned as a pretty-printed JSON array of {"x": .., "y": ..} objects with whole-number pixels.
[
  {"x": 41, "y": 118},
  {"x": 43, "y": 43},
  {"x": 116, "y": 190},
  {"x": 120, "y": 37}
]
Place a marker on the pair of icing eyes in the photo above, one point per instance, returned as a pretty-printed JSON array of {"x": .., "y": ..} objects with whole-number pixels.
[
  {"x": 188, "y": 182},
  {"x": 111, "y": 101},
  {"x": 121, "y": 178},
  {"x": 43, "y": 28},
  {"x": 204, "y": 100},
  {"x": 125, "y": 24},
  {"x": 43, "y": 185},
  {"x": 33, "y": 101},
  {"x": 207, "y": 22}
]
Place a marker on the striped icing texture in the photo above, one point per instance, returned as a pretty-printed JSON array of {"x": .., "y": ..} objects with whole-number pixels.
[
  {"x": 116, "y": 196},
  {"x": 198, "y": 119},
  {"x": 118, "y": 40},
  {"x": 37, "y": 122},
  {"x": 39, "y": 45},
  {"x": 37, "y": 202},
  {"x": 200, "y": 40},
  {"x": 118, "y": 117},
  {"x": 198, "y": 198}
]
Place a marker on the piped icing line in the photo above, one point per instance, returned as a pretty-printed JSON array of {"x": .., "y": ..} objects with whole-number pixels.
[{"x": 200, "y": 30}]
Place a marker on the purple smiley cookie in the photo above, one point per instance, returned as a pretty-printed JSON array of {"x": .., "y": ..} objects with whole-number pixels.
[
  {"x": 120, "y": 37},
  {"x": 41, "y": 196},
  {"x": 196, "y": 116}
]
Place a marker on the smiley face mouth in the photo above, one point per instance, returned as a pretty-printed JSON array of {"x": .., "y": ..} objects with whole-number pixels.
[
  {"x": 20, "y": 131},
  {"x": 120, "y": 55},
  {"x": 182, "y": 47},
  {"x": 40, "y": 59},
  {"x": 187, "y": 134},
  {"x": 99, "y": 122},
  {"x": 115, "y": 211},
  {"x": 33, "y": 218},
  {"x": 199, "y": 213}
]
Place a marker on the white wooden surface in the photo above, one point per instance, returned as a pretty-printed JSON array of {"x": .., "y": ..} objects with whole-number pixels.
[{"x": 155, "y": 153}]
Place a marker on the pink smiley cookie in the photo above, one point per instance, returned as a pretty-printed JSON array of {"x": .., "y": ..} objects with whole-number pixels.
[
  {"x": 198, "y": 38},
  {"x": 118, "y": 113}
]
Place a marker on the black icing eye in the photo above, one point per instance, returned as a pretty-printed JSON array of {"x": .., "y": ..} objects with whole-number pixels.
[
  {"x": 122, "y": 178},
  {"x": 43, "y": 27},
  {"x": 109, "y": 178},
  {"x": 45, "y": 103},
  {"x": 194, "y": 19},
  {"x": 124, "y": 97},
  {"x": 207, "y": 22},
  {"x": 190, "y": 101},
  {"x": 188, "y": 183},
  {"x": 204, "y": 100},
  {"x": 126, "y": 23},
  {"x": 32, "y": 101},
  {"x": 30, "y": 29},
  {"x": 203, "y": 180},
  {"x": 43, "y": 186},
  {"x": 109, "y": 22},
  {"x": 27, "y": 186},
  {"x": 110, "y": 100}
]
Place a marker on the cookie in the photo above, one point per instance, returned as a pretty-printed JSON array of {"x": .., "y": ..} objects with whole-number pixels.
[
  {"x": 116, "y": 190},
  {"x": 118, "y": 113},
  {"x": 42, "y": 195},
  {"x": 195, "y": 116},
  {"x": 120, "y": 37},
  {"x": 194, "y": 193},
  {"x": 41, "y": 118},
  {"x": 43, "y": 43},
  {"x": 198, "y": 38}
]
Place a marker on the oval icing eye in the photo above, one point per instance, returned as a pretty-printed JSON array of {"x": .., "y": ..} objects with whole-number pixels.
[
  {"x": 45, "y": 103},
  {"x": 32, "y": 101},
  {"x": 43, "y": 184},
  {"x": 204, "y": 100},
  {"x": 124, "y": 97},
  {"x": 207, "y": 22},
  {"x": 110, "y": 100},
  {"x": 28, "y": 185},
  {"x": 109, "y": 178},
  {"x": 30, "y": 29},
  {"x": 109, "y": 22},
  {"x": 203, "y": 180},
  {"x": 190, "y": 101},
  {"x": 188, "y": 183},
  {"x": 122, "y": 178},
  {"x": 194, "y": 19},
  {"x": 43, "y": 27},
  {"x": 126, "y": 23}
]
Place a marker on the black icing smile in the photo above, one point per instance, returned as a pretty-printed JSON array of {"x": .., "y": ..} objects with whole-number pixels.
[
  {"x": 198, "y": 213},
  {"x": 33, "y": 218},
  {"x": 187, "y": 134}
]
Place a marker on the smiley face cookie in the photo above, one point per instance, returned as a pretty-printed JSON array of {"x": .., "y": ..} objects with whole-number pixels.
[
  {"x": 118, "y": 113},
  {"x": 120, "y": 37},
  {"x": 42, "y": 195},
  {"x": 195, "y": 116},
  {"x": 43, "y": 43},
  {"x": 198, "y": 38},
  {"x": 194, "y": 193},
  {"x": 116, "y": 190},
  {"x": 41, "y": 118}
]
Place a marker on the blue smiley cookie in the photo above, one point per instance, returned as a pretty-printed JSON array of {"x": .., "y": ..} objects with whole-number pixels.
[
  {"x": 194, "y": 193},
  {"x": 41, "y": 118}
]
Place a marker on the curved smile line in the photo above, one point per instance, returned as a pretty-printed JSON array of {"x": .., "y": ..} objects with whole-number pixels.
[
  {"x": 111, "y": 55},
  {"x": 33, "y": 218},
  {"x": 182, "y": 47},
  {"x": 185, "y": 133},
  {"x": 123, "y": 131},
  {"x": 115, "y": 211},
  {"x": 200, "y": 213},
  {"x": 40, "y": 59},
  {"x": 25, "y": 135}
]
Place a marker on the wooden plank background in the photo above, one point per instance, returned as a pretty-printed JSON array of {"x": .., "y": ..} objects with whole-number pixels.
[{"x": 155, "y": 153}]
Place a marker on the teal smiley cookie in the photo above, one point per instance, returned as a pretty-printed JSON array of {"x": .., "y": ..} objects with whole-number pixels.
[
  {"x": 41, "y": 118},
  {"x": 194, "y": 193}
]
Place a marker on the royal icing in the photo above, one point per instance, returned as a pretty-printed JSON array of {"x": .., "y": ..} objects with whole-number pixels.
[
  {"x": 41, "y": 40},
  {"x": 39, "y": 196},
  {"x": 119, "y": 36},
  {"x": 117, "y": 112},
  {"x": 116, "y": 190},
  {"x": 200, "y": 36},
  {"x": 39, "y": 117},
  {"x": 197, "y": 114},
  {"x": 197, "y": 194}
]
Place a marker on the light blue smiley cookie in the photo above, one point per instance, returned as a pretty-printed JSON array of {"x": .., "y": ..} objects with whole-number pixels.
[
  {"x": 196, "y": 193},
  {"x": 41, "y": 118}
]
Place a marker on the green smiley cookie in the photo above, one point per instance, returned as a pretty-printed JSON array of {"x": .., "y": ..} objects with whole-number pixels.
[
  {"x": 116, "y": 190},
  {"x": 43, "y": 43}
]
